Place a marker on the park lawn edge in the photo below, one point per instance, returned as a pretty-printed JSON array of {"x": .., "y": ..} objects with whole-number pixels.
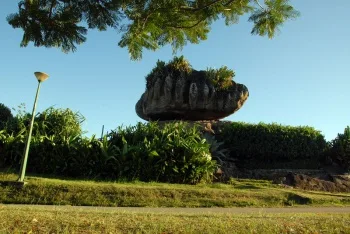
[
  {"x": 237, "y": 193},
  {"x": 43, "y": 220}
]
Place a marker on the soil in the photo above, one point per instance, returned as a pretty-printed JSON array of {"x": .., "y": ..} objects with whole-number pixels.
[
  {"x": 327, "y": 183},
  {"x": 326, "y": 179}
]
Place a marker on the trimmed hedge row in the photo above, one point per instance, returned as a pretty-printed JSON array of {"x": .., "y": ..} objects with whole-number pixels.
[{"x": 272, "y": 145}]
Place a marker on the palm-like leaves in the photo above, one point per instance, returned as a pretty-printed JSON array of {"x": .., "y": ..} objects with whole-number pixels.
[
  {"x": 268, "y": 20},
  {"x": 149, "y": 24},
  {"x": 47, "y": 27}
]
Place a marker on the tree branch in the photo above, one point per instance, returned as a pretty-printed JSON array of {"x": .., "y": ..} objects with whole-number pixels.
[
  {"x": 53, "y": 2},
  {"x": 188, "y": 27},
  {"x": 257, "y": 2},
  {"x": 201, "y": 8}
]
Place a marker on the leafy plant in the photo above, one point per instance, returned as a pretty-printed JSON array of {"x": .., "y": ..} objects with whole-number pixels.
[
  {"x": 176, "y": 66},
  {"x": 180, "y": 64},
  {"x": 11, "y": 148},
  {"x": 173, "y": 153},
  {"x": 217, "y": 150},
  {"x": 220, "y": 78},
  {"x": 59, "y": 122},
  {"x": 268, "y": 19}
]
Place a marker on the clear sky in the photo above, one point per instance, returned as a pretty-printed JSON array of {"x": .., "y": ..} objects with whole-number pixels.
[{"x": 301, "y": 77}]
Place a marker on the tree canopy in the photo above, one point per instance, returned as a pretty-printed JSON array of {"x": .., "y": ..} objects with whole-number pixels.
[{"x": 148, "y": 24}]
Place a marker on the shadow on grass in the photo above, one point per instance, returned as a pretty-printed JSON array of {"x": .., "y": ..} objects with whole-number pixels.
[
  {"x": 295, "y": 199},
  {"x": 247, "y": 186}
]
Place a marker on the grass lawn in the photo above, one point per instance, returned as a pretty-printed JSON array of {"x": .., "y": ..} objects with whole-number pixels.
[
  {"x": 238, "y": 193},
  {"x": 44, "y": 220}
]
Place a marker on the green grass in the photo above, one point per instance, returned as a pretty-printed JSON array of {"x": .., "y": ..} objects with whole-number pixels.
[
  {"x": 44, "y": 220},
  {"x": 239, "y": 193}
]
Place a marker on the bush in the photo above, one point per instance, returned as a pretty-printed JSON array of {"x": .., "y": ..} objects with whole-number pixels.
[
  {"x": 220, "y": 78},
  {"x": 53, "y": 131},
  {"x": 272, "y": 145},
  {"x": 339, "y": 151},
  {"x": 51, "y": 122},
  {"x": 59, "y": 122},
  {"x": 11, "y": 148},
  {"x": 173, "y": 153}
]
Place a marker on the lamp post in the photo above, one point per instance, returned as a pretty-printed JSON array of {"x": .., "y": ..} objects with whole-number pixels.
[{"x": 40, "y": 76}]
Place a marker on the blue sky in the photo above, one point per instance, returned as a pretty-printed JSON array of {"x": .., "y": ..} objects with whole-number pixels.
[{"x": 301, "y": 77}]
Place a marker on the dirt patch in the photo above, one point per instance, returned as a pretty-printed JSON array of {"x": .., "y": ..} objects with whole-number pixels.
[
  {"x": 329, "y": 183},
  {"x": 317, "y": 180}
]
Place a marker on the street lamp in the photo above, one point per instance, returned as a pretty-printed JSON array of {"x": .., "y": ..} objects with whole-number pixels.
[{"x": 40, "y": 76}]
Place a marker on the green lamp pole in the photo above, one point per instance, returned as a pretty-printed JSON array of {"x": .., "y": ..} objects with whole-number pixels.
[{"x": 40, "y": 76}]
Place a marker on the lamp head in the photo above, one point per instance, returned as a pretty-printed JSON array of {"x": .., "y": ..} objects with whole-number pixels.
[{"x": 41, "y": 76}]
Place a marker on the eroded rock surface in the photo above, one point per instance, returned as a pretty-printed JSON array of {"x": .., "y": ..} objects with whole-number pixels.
[{"x": 189, "y": 97}]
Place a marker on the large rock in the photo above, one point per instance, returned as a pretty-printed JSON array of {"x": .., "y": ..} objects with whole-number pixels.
[{"x": 189, "y": 97}]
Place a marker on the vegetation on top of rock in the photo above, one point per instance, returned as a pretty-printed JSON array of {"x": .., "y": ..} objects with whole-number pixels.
[
  {"x": 221, "y": 79},
  {"x": 176, "y": 66}
]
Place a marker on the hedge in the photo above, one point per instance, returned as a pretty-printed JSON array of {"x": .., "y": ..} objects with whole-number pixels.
[{"x": 272, "y": 145}]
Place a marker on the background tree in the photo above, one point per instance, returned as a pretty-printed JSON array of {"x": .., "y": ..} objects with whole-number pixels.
[
  {"x": 146, "y": 24},
  {"x": 5, "y": 115}
]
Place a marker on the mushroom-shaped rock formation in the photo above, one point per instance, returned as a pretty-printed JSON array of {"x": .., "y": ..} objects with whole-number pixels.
[{"x": 175, "y": 91}]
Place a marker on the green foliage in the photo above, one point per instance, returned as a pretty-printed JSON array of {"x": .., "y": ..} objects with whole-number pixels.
[
  {"x": 272, "y": 145},
  {"x": 51, "y": 122},
  {"x": 19, "y": 122},
  {"x": 180, "y": 64},
  {"x": 173, "y": 153},
  {"x": 177, "y": 66},
  {"x": 11, "y": 148},
  {"x": 59, "y": 122},
  {"x": 53, "y": 129},
  {"x": 217, "y": 150},
  {"x": 268, "y": 19},
  {"x": 158, "y": 71},
  {"x": 5, "y": 115},
  {"x": 220, "y": 78},
  {"x": 145, "y": 24},
  {"x": 340, "y": 149}
]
